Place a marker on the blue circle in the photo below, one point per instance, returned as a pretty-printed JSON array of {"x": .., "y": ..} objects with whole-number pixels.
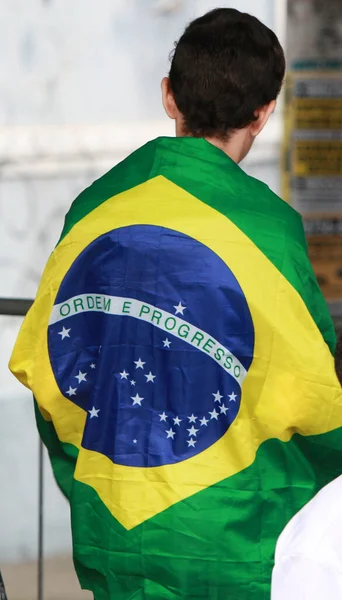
[{"x": 151, "y": 397}]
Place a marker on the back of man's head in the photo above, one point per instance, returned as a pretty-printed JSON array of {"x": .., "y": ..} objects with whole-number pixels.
[{"x": 225, "y": 67}]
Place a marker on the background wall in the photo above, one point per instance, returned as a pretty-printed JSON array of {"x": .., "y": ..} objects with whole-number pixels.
[{"x": 82, "y": 61}]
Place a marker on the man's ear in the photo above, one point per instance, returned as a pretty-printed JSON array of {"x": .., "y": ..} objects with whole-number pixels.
[
  {"x": 168, "y": 99},
  {"x": 262, "y": 114}
]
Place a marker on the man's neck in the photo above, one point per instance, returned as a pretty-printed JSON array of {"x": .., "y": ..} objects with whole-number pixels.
[{"x": 236, "y": 146}]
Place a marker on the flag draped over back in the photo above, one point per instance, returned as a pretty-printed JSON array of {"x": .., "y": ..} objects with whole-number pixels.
[{"x": 180, "y": 355}]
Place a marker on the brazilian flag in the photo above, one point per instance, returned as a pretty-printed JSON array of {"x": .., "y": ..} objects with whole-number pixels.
[{"x": 181, "y": 358}]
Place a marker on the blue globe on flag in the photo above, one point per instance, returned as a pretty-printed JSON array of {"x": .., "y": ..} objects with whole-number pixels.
[{"x": 152, "y": 336}]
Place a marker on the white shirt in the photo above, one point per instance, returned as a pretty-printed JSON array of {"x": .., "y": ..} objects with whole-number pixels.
[{"x": 308, "y": 561}]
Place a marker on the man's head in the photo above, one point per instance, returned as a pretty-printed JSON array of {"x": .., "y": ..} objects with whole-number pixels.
[{"x": 226, "y": 73}]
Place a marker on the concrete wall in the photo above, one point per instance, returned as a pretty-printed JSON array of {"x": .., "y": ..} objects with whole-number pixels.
[{"x": 83, "y": 61}]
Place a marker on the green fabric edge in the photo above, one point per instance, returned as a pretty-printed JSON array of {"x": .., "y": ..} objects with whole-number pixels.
[{"x": 145, "y": 563}]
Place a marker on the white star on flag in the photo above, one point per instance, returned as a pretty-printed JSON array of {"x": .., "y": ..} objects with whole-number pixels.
[
  {"x": 124, "y": 375},
  {"x": 170, "y": 433},
  {"x": 204, "y": 421},
  {"x": 92, "y": 366},
  {"x": 192, "y": 419},
  {"x": 191, "y": 443},
  {"x": 214, "y": 414},
  {"x": 177, "y": 421},
  {"x": 217, "y": 396},
  {"x": 94, "y": 412},
  {"x": 167, "y": 343},
  {"x": 71, "y": 391},
  {"x": 150, "y": 377},
  {"x": 137, "y": 400},
  {"x": 81, "y": 377},
  {"x": 192, "y": 431},
  {"x": 139, "y": 364},
  {"x": 132, "y": 382},
  {"x": 64, "y": 333},
  {"x": 180, "y": 309},
  {"x": 223, "y": 409},
  {"x": 135, "y": 441},
  {"x": 232, "y": 397},
  {"x": 163, "y": 417}
]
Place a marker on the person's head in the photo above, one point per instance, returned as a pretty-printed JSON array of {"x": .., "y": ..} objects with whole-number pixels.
[
  {"x": 226, "y": 73},
  {"x": 338, "y": 358}
]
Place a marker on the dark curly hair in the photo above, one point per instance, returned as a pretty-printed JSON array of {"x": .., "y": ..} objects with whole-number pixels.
[{"x": 226, "y": 65}]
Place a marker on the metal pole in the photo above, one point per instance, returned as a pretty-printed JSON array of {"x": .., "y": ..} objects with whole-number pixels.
[
  {"x": 40, "y": 595},
  {"x": 15, "y": 307},
  {"x": 2, "y": 589}
]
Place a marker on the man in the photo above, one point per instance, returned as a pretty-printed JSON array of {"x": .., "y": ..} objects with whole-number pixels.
[
  {"x": 309, "y": 551},
  {"x": 179, "y": 339}
]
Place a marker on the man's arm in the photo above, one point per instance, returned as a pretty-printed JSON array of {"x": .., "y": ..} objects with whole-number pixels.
[
  {"x": 305, "y": 281},
  {"x": 63, "y": 456},
  {"x": 338, "y": 358}
]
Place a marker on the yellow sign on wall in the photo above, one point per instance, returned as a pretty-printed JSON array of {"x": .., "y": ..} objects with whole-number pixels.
[
  {"x": 312, "y": 165},
  {"x": 313, "y": 170}
]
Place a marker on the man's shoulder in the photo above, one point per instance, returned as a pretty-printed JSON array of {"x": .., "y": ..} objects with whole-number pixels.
[
  {"x": 272, "y": 205},
  {"x": 274, "y": 226},
  {"x": 314, "y": 531},
  {"x": 134, "y": 170}
]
